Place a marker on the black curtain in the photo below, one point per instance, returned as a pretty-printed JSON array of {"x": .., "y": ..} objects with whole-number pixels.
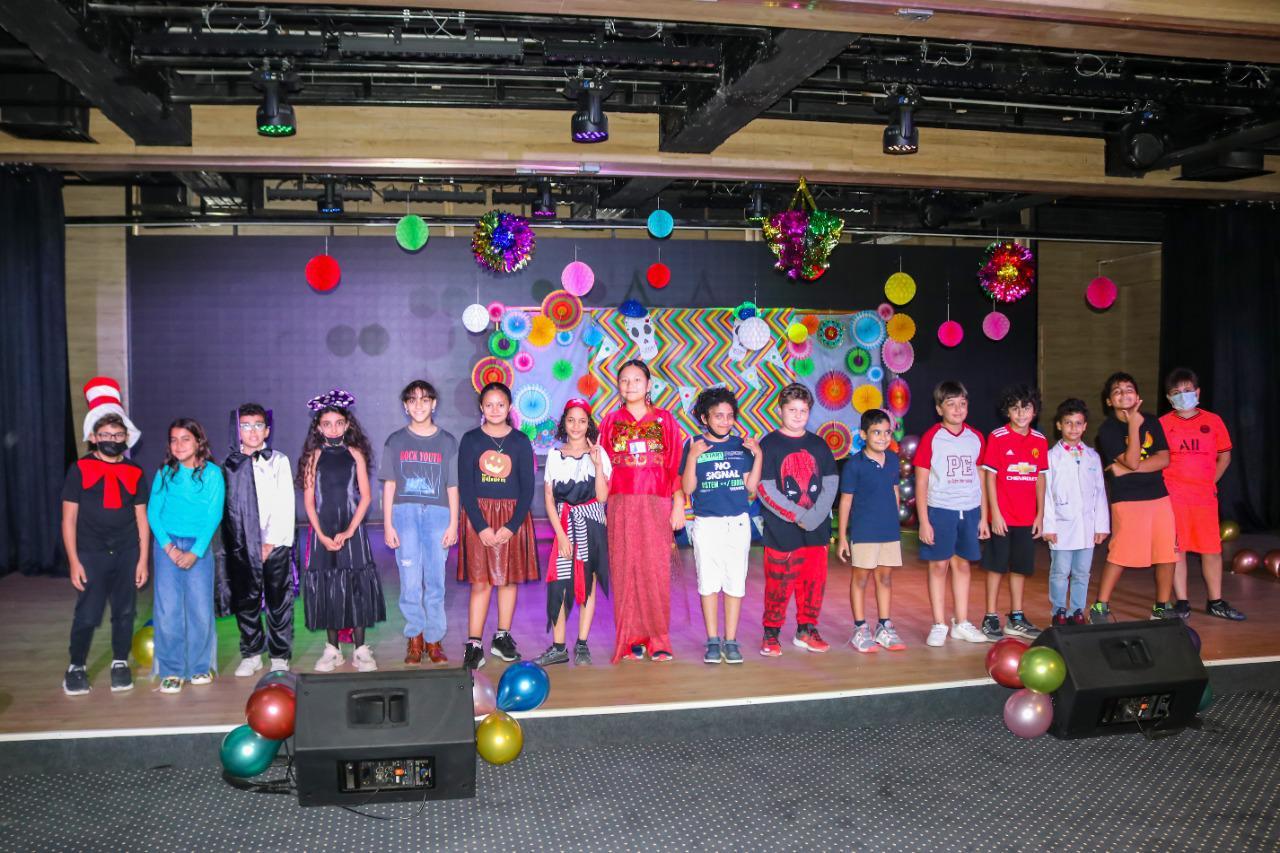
[
  {"x": 1220, "y": 317},
  {"x": 35, "y": 425}
]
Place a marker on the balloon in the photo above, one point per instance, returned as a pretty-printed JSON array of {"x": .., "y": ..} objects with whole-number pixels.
[
  {"x": 1229, "y": 530},
  {"x": 284, "y": 678},
  {"x": 1206, "y": 698},
  {"x": 909, "y": 444},
  {"x": 1272, "y": 562},
  {"x": 499, "y": 738},
  {"x": 1245, "y": 561},
  {"x": 797, "y": 333},
  {"x": 1195, "y": 638},
  {"x": 1042, "y": 669},
  {"x": 245, "y": 753},
  {"x": 483, "y": 697},
  {"x": 523, "y": 687},
  {"x": 271, "y": 711},
  {"x": 1027, "y": 713},
  {"x": 906, "y": 469},
  {"x": 1003, "y": 659},
  {"x": 907, "y": 488},
  {"x": 144, "y": 646}
]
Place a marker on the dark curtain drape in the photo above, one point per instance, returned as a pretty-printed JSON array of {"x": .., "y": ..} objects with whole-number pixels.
[
  {"x": 1221, "y": 317},
  {"x": 34, "y": 426}
]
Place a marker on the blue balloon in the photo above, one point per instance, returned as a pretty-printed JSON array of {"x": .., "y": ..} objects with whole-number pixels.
[
  {"x": 148, "y": 624},
  {"x": 523, "y": 687},
  {"x": 1195, "y": 638},
  {"x": 661, "y": 224},
  {"x": 246, "y": 753}
]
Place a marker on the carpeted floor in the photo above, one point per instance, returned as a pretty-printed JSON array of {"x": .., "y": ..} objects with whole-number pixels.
[{"x": 954, "y": 785}]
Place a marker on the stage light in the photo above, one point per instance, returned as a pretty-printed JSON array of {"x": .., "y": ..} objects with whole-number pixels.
[
  {"x": 330, "y": 204},
  {"x": 544, "y": 206},
  {"x": 1143, "y": 138},
  {"x": 589, "y": 123},
  {"x": 275, "y": 115},
  {"x": 759, "y": 209},
  {"x": 902, "y": 136}
]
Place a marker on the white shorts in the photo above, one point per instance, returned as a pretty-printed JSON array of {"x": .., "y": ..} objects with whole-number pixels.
[{"x": 721, "y": 546}]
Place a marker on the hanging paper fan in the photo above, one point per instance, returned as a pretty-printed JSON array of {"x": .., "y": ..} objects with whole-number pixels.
[
  {"x": 532, "y": 402},
  {"x": 754, "y": 334},
  {"x": 577, "y": 278},
  {"x": 995, "y": 326},
  {"x": 323, "y": 273},
  {"x": 830, "y": 333},
  {"x": 858, "y": 361},
  {"x": 801, "y": 350},
  {"x": 810, "y": 322},
  {"x": 490, "y": 369},
  {"x": 867, "y": 397},
  {"x": 530, "y": 431},
  {"x": 950, "y": 333},
  {"x": 897, "y": 356},
  {"x": 901, "y": 328},
  {"x": 564, "y": 338},
  {"x": 412, "y": 232},
  {"x": 900, "y": 288},
  {"x": 838, "y": 438},
  {"x": 802, "y": 237},
  {"x": 515, "y": 325},
  {"x": 867, "y": 329},
  {"x": 658, "y": 275},
  {"x": 802, "y": 366},
  {"x": 563, "y": 308},
  {"x": 884, "y": 311},
  {"x": 588, "y": 385},
  {"x": 875, "y": 374},
  {"x": 475, "y": 318},
  {"x": 857, "y": 443},
  {"x": 899, "y": 397},
  {"x": 592, "y": 336},
  {"x": 833, "y": 390},
  {"x": 542, "y": 331},
  {"x": 1101, "y": 293},
  {"x": 502, "y": 242},
  {"x": 1007, "y": 272},
  {"x": 496, "y": 310},
  {"x": 546, "y": 431},
  {"x": 501, "y": 346},
  {"x": 523, "y": 361},
  {"x": 562, "y": 369}
]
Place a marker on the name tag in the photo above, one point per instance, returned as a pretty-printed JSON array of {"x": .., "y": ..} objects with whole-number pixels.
[{"x": 637, "y": 447}]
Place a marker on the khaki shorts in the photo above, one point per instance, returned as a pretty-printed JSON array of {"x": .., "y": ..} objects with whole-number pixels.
[{"x": 869, "y": 555}]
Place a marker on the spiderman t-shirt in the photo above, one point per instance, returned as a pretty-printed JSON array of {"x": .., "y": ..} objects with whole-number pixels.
[{"x": 798, "y": 483}]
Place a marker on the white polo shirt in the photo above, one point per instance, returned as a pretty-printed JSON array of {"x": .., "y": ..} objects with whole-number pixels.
[{"x": 955, "y": 481}]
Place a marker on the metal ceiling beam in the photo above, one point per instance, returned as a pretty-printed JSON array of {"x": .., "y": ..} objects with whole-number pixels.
[{"x": 636, "y": 192}]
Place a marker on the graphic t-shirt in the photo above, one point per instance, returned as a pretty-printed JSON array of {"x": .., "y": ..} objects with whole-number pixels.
[
  {"x": 1194, "y": 445},
  {"x": 424, "y": 467},
  {"x": 107, "y": 493},
  {"x": 874, "y": 514},
  {"x": 1113, "y": 439},
  {"x": 722, "y": 477},
  {"x": 952, "y": 460},
  {"x": 798, "y": 485},
  {"x": 496, "y": 469},
  {"x": 1017, "y": 461}
]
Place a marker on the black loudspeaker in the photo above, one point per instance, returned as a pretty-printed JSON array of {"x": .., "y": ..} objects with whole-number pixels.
[
  {"x": 1125, "y": 677},
  {"x": 376, "y": 738}
]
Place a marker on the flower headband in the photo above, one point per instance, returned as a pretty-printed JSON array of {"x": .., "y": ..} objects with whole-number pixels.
[
  {"x": 336, "y": 397},
  {"x": 580, "y": 403}
]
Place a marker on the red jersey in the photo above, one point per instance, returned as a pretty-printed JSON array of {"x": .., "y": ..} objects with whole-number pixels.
[
  {"x": 645, "y": 454},
  {"x": 1018, "y": 462},
  {"x": 1194, "y": 445}
]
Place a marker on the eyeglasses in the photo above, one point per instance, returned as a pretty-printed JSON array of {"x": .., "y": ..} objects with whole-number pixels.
[
  {"x": 112, "y": 436},
  {"x": 253, "y": 427}
]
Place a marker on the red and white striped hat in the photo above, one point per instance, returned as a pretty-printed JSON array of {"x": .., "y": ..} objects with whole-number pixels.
[{"x": 102, "y": 393}]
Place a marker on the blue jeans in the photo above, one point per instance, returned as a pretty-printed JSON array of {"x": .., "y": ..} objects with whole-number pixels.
[
  {"x": 186, "y": 641},
  {"x": 1069, "y": 568},
  {"x": 420, "y": 558}
]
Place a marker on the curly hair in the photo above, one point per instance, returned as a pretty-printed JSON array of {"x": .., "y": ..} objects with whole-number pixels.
[
  {"x": 203, "y": 453},
  {"x": 1019, "y": 395},
  {"x": 354, "y": 437},
  {"x": 709, "y": 399},
  {"x": 593, "y": 430},
  {"x": 1112, "y": 381}
]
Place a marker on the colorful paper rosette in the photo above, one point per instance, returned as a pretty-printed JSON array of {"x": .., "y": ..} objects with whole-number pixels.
[
  {"x": 523, "y": 361},
  {"x": 898, "y": 356},
  {"x": 1007, "y": 271},
  {"x": 833, "y": 390},
  {"x": 564, "y": 338},
  {"x": 838, "y": 437},
  {"x": 802, "y": 237},
  {"x": 588, "y": 385},
  {"x": 562, "y": 369},
  {"x": 858, "y": 361},
  {"x": 811, "y": 322},
  {"x": 876, "y": 375},
  {"x": 900, "y": 327},
  {"x": 830, "y": 333},
  {"x": 867, "y": 329},
  {"x": 884, "y": 311},
  {"x": 804, "y": 349},
  {"x": 898, "y": 397},
  {"x": 502, "y": 242},
  {"x": 867, "y": 397},
  {"x": 532, "y": 402},
  {"x": 501, "y": 346},
  {"x": 515, "y": 324},
  {"x": 563, "y": 309},
  {"x": 802, "y": 366},
  {"x": 542, "y": 331},
  {"x": 490, "y": 369}
]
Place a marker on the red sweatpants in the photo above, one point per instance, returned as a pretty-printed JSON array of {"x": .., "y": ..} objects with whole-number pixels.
[{"x": 804, "y": 571}]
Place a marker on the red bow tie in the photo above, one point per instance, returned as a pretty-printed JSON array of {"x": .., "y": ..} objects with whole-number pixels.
[{"x": 112, "y": 474}]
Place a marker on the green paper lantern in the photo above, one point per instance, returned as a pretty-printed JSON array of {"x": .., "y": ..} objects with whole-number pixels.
[{"x": 412, "y": 232}]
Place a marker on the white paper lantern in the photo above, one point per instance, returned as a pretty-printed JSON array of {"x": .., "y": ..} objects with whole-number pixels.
[
  {"x": 754, "y": 334},
  {"x": 475, "y": 318}
]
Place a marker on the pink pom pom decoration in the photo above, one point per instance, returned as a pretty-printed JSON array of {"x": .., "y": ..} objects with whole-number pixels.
[
  {"x": 578, "y": 278},
  {"x": 995, "y": 326},
  {"x": 1101, "y": 293},
  {"x": 950, "y": 334}
]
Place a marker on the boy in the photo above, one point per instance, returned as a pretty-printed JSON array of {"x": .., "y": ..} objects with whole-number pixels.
[
  {"x": 257, "y": 532},
  {"x": 871, "y": 478},
  {"x": 1134, "y": 452},
  {"x": 419, "y": 473},
  {"x": 1013, "y": 467},
  {"x": 798, "y": 485},
  {"x": 1199, "y": 453},
  {"x": 105, "y": 533},
  {"x": 952, "y": 508},
  {"x": 720, "y": 474},
  {"x": 1075, "y": 516}
]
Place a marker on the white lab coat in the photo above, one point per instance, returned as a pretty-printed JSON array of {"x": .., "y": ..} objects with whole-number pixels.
[{"x": 1075, "y": 499}]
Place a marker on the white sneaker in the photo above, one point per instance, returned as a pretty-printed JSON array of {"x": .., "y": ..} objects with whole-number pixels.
[
  {"x": 965, "y": 631},
  {"x": 202, "y": 678},
  {"x": 279, "y": 665},
  {"x": 363, "y": 659},
  {"x": 330, "y": 660},
  {"x": 937, "y": 635},
  {"x": 248, "y": 666}
]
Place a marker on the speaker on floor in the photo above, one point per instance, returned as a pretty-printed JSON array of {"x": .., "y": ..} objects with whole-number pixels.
[
  {"x": 1125, "y": 677},
  {"x": 380, "y": 737}
]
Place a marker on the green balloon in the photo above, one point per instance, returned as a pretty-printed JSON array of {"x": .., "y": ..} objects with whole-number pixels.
[
  {"x": 1206, "y": 698},
  {"x": 412, "y": 232},
  {"x": 246, "y": 753},
  {"x": 1042, "y": 669}
]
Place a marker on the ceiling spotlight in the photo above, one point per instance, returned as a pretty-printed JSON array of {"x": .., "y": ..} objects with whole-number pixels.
[
  {"x": 275, "y": 115},
  {"x": 544, "y": 206},
  {"x": 1143, "y": 136},
  {"x": 759, "y": 208},
  {"x": 589, "y": 123},
  {"x": 330, "y": 203},
  {"x": 902, "y": 136}
]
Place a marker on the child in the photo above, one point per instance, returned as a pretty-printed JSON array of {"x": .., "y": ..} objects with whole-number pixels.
[
  {"x": 340, "y": 588},
  {"x": 952, "y": 507},
  {"x": 798, "y": 485},
  {"x": 1013, "y": 464},
  {"x": 105, "y": 532},
  {"x": 495, "y": 489},
  {"x": 1075, "y": 513},
  {"x": 1199, "y": 453},
  {"x": 870, "y": 477},
  {"x": 257, "y": 532},
  {"x": 646, "y": 504},
  {"x": 576, "y": 485},
  {"x": 184, "y": 512},
  {"x": 721, "y": 472},
  {"x": 419, "y": 473},
  {"x": 1134, "y": 452}
]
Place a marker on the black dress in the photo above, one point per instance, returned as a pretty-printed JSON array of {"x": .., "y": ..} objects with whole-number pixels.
[{"x": 340, "y": 589}]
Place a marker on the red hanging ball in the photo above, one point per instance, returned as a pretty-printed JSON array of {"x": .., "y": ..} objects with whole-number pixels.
[
  {"x": 323, "y": 273},
  {"x": 659, "y": 275}
]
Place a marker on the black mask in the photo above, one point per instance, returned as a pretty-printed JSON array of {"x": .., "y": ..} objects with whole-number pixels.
[
  {"x": 334, "y": 442},
  {"x": 111, "y": 448}
]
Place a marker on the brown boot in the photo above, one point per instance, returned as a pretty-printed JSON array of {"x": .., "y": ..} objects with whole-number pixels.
[
  {"x": 413, "y": 650},
  {"x": 436, "y": 653}
]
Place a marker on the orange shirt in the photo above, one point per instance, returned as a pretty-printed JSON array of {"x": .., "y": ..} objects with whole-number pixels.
[{"x": 1194, "y": 445}]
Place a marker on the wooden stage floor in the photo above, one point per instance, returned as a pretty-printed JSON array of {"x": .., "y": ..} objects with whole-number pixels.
[{"x": 36, "y": 614}]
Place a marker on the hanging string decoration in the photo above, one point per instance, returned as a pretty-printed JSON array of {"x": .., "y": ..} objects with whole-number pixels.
[
  {"x": 802, "y": 237},
  {"x": 578, "y": 278},
  {"x": 323, "y": 273},
  {"x": 995, "y": 326},
  {"x": 1101, "y": 293},
  {"x": 475, "y": 318},
  {"x": 1008, "y": 271},
  {"x": 502, "y": 242},
  {"x": 900, "y": 288},
  {"x": 658, "y": 275}
]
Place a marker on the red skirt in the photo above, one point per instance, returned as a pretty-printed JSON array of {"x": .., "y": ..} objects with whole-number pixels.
[
  {"x": 640, "y": 543},
  {"x": 514, "y": 562}
]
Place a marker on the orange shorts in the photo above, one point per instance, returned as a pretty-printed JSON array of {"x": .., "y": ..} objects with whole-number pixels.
[
  {"x": 1197, "y": 526},
  {"x": 1142, "y": 533}
]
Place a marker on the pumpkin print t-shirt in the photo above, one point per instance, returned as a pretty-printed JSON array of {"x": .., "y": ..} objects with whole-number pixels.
[{"x": 495, "y": 469}]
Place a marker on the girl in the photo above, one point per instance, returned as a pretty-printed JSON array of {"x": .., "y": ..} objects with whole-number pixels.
[
  {"x": 577, "y": 484},
  {"x": 645, "y": 506},
  {"x": 184, "y": 512},
  {"x": 495, "y": 488},
  {"x": 341, "y": 588}
]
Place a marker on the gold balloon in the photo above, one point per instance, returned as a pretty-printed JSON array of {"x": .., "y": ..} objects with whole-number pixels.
[
  {"x": 144, "y": 646},
  {"x": 1229, "y": 530},
  {"x": 499, "y": 738}
]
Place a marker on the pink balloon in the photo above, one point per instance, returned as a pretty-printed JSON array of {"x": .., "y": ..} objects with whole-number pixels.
[
  {"x": 1028, "y": 714},
  {"x": 1101, "y": 293},
  {"x": 995, "y": 326},
  {"x": 950, "y": 333},
  {"x": 483, "y": 695}
]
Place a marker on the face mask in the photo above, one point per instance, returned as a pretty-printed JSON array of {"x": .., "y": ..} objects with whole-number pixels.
[
  {"x": 1185, "y": 400},
  {"x": 111, "y": 448},
  {"x": 334, "y": 442}
]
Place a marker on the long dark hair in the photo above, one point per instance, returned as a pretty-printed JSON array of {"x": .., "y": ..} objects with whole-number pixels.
[
  {"x": 354, "y": 437},
  {"x": 500, "y": 387},
  {"x": 203, "y": 453},
  {"x": 593, "y": 431}
]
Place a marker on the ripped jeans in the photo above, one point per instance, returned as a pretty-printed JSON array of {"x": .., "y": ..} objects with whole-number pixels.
[{"x": 421, "y": 559}]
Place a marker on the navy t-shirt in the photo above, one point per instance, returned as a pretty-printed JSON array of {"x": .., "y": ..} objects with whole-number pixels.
[
  {"x": 874, "y": 515},
  {"x": 722, "y": 478}
]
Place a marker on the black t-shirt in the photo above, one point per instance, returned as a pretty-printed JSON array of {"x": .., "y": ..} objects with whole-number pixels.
[
  {"x": 498, "y": 469},
  {"x": 1113, "y": 439},
  {"x": 107, "y": 493},
  {"x": 798, "y": 485}
]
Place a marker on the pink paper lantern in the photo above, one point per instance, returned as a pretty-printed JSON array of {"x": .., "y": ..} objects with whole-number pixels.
[
  {"x": 323, "y": 273},
  {"x": 950, "y": 334},
  {"x": 995, "y": 326},
  {"x": 1101, "y": 293},
  {"x": 578, "y": 278}
]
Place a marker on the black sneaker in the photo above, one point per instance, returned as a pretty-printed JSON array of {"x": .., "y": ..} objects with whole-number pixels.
[
  {"x": 1100, "y": 613},
  {"x": 504, "y": 646},
  {"x": 1163, "y": 610},
  {"x": 991, "y": 628},
  {"x": 121, "y": 676},
  {"x": 552, "y": 655},
  {"x": 581, "y": 654},
  {"x": 75, "y": 682},
  {"x": 1182, "y": 608},
  {"x": 1019, "y": 626},
  {"x": 1222, "y": 610},
  {"x": 472, "y": 656}
]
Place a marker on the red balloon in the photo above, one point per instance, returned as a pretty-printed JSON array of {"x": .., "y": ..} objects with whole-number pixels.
[
  {"x": 271, "y": 711},
  {"x": 1245, "y": 561},
  {"x": 1002, "y": 662},
  {"x": 323, "y": 273},
  {"x": 659, "y": 275},
  {"x": 1272, "y": 562}
]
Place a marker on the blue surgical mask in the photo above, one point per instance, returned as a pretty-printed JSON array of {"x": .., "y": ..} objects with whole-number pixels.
[{"x": 1185, "y": 401}]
